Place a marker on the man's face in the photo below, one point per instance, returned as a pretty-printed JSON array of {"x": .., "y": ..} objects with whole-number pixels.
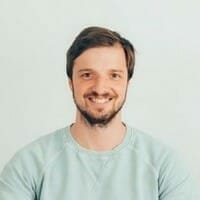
[{"x": 99, "y": 83}]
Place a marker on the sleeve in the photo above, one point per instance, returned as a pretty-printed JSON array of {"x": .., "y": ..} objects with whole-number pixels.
[
  {"x": 175, "y": 182},
  {"x": 16, "y": 182}
]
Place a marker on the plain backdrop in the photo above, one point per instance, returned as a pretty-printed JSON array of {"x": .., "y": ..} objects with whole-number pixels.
[{"x": 163, "y": 97}]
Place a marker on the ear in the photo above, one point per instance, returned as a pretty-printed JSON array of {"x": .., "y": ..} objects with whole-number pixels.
[{"x": 70, "y": 83}]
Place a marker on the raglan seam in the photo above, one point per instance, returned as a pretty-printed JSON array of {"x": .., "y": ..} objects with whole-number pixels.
[
  {"x": 48, "y": 163},
  {"x": 133, "y": 148}
]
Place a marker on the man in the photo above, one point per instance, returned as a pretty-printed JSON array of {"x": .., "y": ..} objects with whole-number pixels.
[{"x": 98, "y": 156}]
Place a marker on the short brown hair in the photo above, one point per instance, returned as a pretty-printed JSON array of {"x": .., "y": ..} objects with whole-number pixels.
[{"x": 98, "y": 36}]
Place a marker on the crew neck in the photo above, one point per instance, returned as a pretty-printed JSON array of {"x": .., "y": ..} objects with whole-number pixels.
[{"x": 80, "y": 149}]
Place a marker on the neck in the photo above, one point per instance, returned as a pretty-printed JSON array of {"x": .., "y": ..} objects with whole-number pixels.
[{"x": 99, "y": 138}]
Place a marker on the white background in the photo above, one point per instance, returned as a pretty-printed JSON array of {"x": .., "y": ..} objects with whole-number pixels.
[{"x": 163, "y": 97}]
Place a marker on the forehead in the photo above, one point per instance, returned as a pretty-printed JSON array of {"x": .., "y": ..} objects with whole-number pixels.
[{"x": 103, "y": 57}]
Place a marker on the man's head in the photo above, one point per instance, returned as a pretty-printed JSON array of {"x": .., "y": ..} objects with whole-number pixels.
[
  {"x": 100, "y": 64},
  {"x": 98, "y": 37}
]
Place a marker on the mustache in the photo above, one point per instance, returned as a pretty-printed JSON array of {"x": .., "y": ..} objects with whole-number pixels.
[{"x": 95, "y": 94}]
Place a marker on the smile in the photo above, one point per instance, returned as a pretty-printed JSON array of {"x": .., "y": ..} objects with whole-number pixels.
[{"x": 99, "y": 100}]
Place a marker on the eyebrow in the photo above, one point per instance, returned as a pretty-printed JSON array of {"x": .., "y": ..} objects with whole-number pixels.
[
  {"x": 85, "y": 69},
  {"x": 90, "y": 69},
  {"x": 117, "y": 70}
]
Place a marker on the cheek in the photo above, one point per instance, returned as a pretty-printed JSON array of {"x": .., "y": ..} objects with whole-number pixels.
[
  {"x": 79, "y": 92},
  {"x": 121, "y": 89}
]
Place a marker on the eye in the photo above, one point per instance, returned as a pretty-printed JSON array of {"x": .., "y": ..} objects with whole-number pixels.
[
  {"x": 115, "y": 76},
  {"x": 86, "y": 75}
]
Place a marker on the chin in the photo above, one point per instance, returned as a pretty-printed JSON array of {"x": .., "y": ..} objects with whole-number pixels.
[{"x": 100, "y": 120}]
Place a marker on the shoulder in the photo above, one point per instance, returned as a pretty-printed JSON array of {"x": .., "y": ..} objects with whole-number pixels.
[
  {"x": 151, "y": 148},
  {"x": 160, "y": 156},
  {"x": 45, "y": 146},
  {"x": 22, "y": 175},
  {"x": 172, "y": 174},
  {"x": 32, "y": 159}
]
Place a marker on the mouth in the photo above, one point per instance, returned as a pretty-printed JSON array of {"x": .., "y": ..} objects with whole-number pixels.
[{"x": 99, "y": 100}]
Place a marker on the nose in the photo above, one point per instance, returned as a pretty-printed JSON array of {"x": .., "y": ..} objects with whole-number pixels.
[{"x": 100, "y": 85}]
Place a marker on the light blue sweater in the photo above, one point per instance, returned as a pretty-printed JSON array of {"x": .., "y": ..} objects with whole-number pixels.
[{"x": 56, "y": 167}]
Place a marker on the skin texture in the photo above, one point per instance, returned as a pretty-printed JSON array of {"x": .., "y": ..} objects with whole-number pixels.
[{"x": 99, "y": 86}]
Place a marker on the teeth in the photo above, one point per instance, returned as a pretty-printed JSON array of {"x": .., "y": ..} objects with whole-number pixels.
[{"x": 95, "y": 100}]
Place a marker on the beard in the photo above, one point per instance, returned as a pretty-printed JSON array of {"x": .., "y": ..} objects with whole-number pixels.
[{"x": 103, "y": 119}]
